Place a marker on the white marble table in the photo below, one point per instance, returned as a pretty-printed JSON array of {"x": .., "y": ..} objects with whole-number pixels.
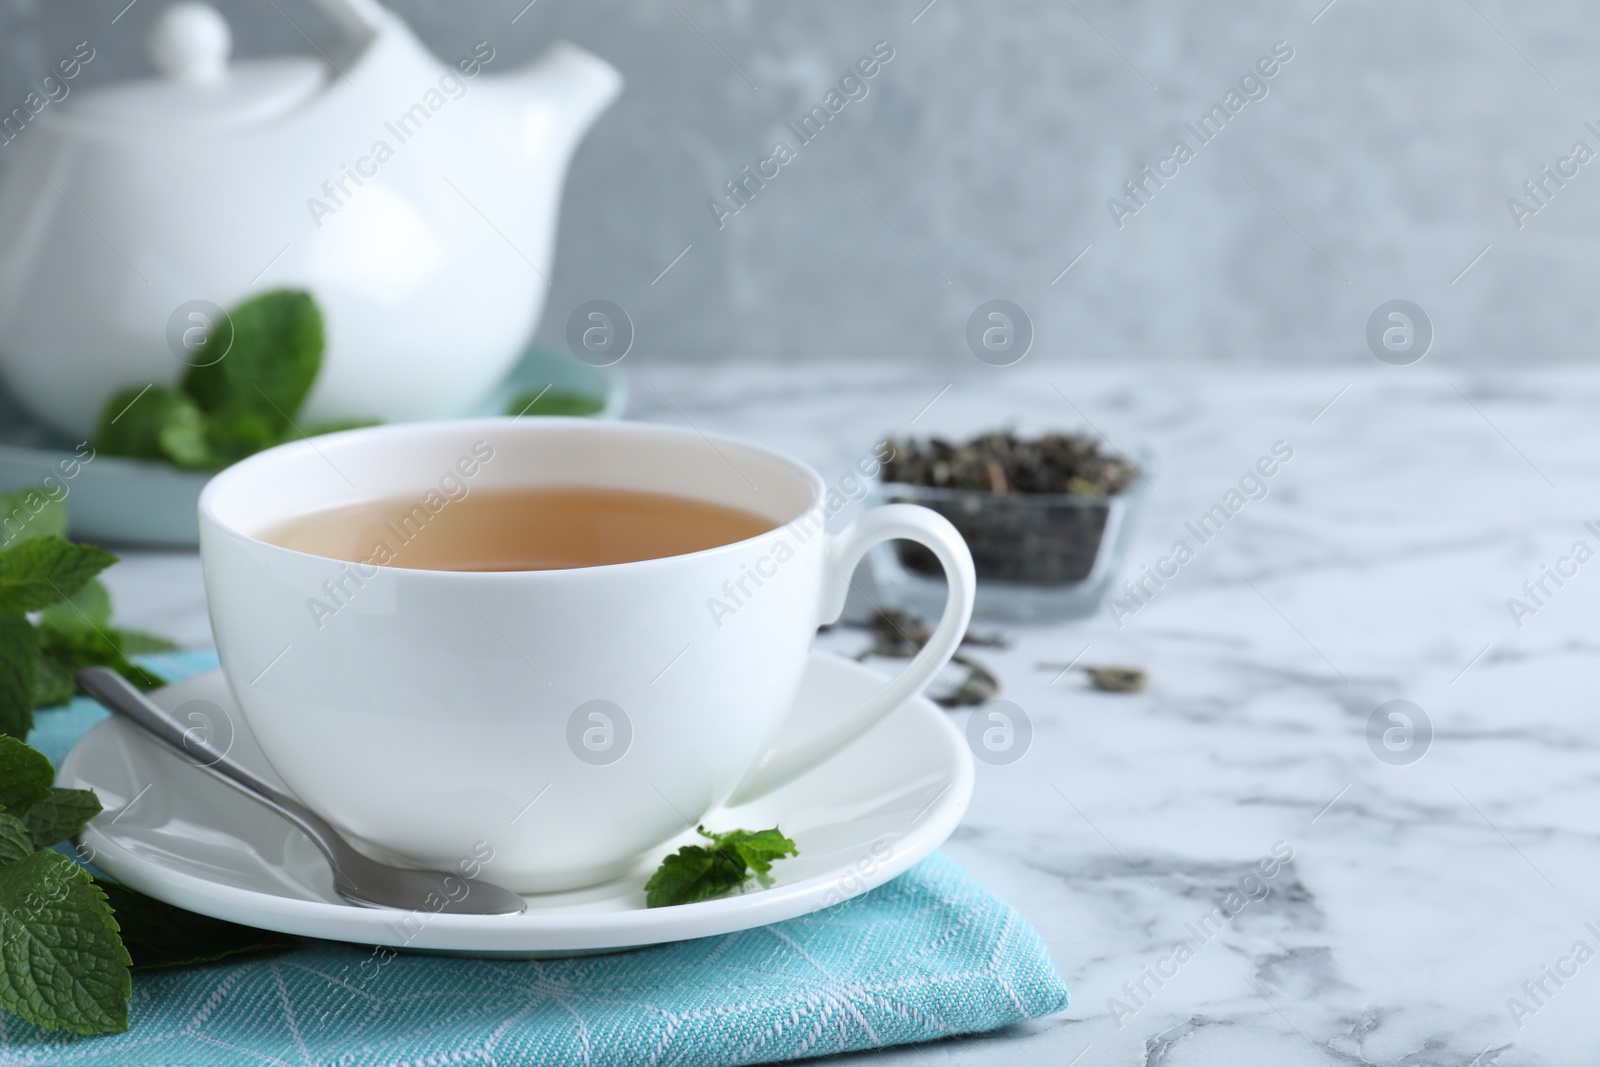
[{"x": 1421, "y": 896}]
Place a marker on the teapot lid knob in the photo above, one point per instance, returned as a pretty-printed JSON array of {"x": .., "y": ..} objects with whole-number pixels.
[{"x": 191, "y": 42}]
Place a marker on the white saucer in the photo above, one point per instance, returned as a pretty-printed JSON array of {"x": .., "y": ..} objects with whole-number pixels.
[{"x": 175, "y": 833}]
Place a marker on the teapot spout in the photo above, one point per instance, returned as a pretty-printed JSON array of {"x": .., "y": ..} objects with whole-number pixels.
[{"x": 561, "y": 94}]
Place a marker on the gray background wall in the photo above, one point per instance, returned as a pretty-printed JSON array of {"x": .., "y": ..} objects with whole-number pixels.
[{"x": 981, "y": 162}]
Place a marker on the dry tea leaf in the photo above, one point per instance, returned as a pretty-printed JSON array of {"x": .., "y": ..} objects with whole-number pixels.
[
  {"x": 979, "y": 687},
  {"x": 1032, "y": 510},
  {"x": 901, "y": 635},
  {"x": 1117, "y": 679},
  {"x": 1003, "y": 463}
]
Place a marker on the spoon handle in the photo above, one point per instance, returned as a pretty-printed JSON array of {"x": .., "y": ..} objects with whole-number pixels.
[{"x": 118, "y": 694}]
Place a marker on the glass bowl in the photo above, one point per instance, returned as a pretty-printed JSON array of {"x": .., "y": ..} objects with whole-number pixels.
[{"x": 1039, "y": 556}]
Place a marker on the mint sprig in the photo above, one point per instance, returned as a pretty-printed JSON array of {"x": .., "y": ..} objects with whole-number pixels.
[
  {"x": 46, "y": 576},
  {"x": 62, "y": 965},
  {"x": 68, "y": 940},
  {"x": 44, "y": 570},
  {"x": 248, "y": 382},
  {"x": 700, "y": 872}
]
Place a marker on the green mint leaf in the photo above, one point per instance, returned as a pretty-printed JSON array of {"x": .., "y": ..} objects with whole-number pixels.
[
  {"x": 699, "y": 872},
  {"x": 60, "y": 815},
  {"x": 550, "y": 402},
  {"x": 186, "y": 443},
  {"x": 80, "y": 648},
  {"x": 758, "y": 849},
  {"x": 155, "y": 423},
  {"x": 54, "y": 683},
  {"x": 256, "y": 369},
  {"x": 30, "y": 513},
  {"x": 88, "y": 608},
  {"x": 159, "y": 935},
  {"x": 689, "y": 875},
  {"x": 94, "y": 647},
  {"x": 44, "y": 570},
  {"x": 19, "y": 673},
  {"x": 137, "y": 643},
  {"x": 25, "y": 776},
  {"x": 146, "y": 680},
  {"x": 320, "y": 428},
  {"x": 15, "y": 841},
  {"x": 236, "y": 434},
  {"x": 62, "y": 965}
]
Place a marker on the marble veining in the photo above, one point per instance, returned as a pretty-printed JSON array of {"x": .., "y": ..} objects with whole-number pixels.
[{"x": 1425, "y": 902}]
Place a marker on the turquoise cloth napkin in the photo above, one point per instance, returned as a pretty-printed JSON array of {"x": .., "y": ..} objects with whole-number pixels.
[{"x": 930, "y": 954}]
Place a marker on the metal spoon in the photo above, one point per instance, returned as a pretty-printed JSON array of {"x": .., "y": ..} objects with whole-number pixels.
[{"x": 358, "y": 879}]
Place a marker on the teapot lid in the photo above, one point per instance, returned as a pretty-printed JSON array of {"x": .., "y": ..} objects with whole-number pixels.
[{"x": 199, "y": 89}]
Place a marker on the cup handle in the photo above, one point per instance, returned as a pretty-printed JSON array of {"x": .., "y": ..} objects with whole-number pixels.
[{"x": 845, "y": 551}]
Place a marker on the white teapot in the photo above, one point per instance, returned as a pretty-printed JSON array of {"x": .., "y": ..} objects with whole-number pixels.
[{"x": 417, "y": 202}]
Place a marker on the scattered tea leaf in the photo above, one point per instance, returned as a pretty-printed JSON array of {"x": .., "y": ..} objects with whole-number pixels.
[
  {"x": 979, "y": 687},
  {"x": 1117, "y": 679},
  {"x": 899, "y": 635}
]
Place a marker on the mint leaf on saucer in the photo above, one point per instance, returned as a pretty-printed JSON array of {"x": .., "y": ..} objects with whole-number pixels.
[
  {"x": 256, "y": 368},
  {"x": 62, "y": 965},
  {"x": 19, "y": 673},
  {"x": 699, "y": 872},
  {"x": 30, "y": 513},
  {"x": 758, "y": 848},
  {"x": 159, "y": 935},
  {"x": 15, "y": 841},
  {"x": 41, "y": 571},
  {"x": 60, "y": 815}
]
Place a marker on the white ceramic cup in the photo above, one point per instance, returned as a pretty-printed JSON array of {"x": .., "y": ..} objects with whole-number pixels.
[{"x": 569, "y": 720}]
